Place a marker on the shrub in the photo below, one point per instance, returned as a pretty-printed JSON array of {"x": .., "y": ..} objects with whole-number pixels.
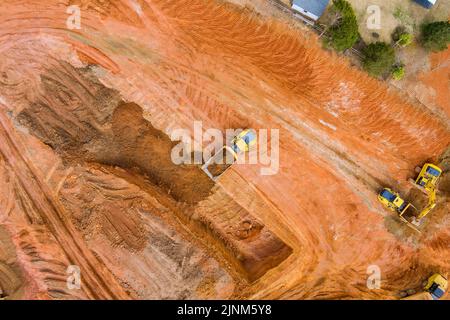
[
  {"x": 402, "y": 37},
  {"x": 436, "y": 35},
  {"x": 398, "y": 72},
  {"x": 378, "y": 58},
  {"x": 344, "y": 33},
  {"x": 405, "y": 39}
]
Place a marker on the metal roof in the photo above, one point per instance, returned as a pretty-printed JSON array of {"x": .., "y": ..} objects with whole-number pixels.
[
  {"x": 316, "y": 7},
  {"x": 426, "y": 3}
]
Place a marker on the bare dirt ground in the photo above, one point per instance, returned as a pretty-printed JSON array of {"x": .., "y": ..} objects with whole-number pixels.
[{"x": 86, "y": 177}]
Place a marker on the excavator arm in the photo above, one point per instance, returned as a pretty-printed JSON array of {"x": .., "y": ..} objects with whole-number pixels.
[{"x": 431, "y": 204}]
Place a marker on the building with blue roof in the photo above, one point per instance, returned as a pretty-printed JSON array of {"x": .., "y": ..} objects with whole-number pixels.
[
  {"x": 426, "y": 3},
  {"x": 312, "y": 9}
]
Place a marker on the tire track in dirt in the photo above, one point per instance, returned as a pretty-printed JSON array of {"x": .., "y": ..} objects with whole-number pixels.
[
  {"x": 85, "y": 122},
  {"x": 99, "y": 283}
]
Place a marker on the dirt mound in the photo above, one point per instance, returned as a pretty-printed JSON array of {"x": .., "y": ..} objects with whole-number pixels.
[
  {"x": 106, "y": 130},
  {"x": 138, "y": 144}
]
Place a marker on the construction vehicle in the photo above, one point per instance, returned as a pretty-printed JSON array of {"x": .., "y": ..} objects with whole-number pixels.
[
  {"x": 434, "y": 289},
  {"x": 393, "y": 201},
  {"x": 428, "y": 177},
  {"x": 427, "y": 181},
  {"x": 216, "y": 166}
]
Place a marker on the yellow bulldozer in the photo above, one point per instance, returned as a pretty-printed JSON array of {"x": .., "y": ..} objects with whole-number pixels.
[
  {"x": 225, "y": 157},
  {"x": 434, "y": 289},
  {"x": 394, "y": 202}
]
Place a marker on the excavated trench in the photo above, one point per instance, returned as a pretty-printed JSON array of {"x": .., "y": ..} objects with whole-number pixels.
[{"x": 98, "y": 129}]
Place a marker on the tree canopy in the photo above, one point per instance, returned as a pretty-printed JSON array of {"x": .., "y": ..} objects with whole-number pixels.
[
  {"x": 343, "y": 34},
  {"x": 436, "y": 35},
  {"x": 378, "y": 58}
]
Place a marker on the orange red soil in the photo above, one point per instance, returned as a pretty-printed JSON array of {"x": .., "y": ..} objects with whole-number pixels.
[{"x": 85, "y": 117}]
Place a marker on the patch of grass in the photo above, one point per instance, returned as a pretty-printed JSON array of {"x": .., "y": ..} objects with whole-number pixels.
[{"x": 404, "y": 18}]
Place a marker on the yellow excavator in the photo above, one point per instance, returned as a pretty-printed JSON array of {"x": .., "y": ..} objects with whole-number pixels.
[
  {"x": 427, "y": 181},
  {"x": 434, "y": 289},
  {"x": 241, "y": 143}
]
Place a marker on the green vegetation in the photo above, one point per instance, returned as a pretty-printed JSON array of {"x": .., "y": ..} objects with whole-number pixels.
[
  {"x": 436, "y": 35},
  {"x": 343, "y": 34},
  {"x": 405, "y": 39},
  {"x": 402, "y": 37},
  {"x": 398, "y": 72},
  {"x": 378, "y": 58},
  {"x": 404, "y": 18}
]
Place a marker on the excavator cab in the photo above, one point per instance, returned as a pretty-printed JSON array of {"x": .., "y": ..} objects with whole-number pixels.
[
  {"x": 428, "y": 177},
  {"x": 427, "y": 181},
  {"x": 437, "y": 286}
]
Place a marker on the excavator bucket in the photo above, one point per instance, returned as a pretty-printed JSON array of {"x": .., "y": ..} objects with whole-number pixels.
[{"x": 408, "y": 215}]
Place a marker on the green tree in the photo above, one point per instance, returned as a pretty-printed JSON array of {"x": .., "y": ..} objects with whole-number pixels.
[
  {"x": 436, "y": 35},
  {"x": 343, "y": 34},
  {"x": 398, "y": 72},
  {"x": 378, "y": 58}
]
